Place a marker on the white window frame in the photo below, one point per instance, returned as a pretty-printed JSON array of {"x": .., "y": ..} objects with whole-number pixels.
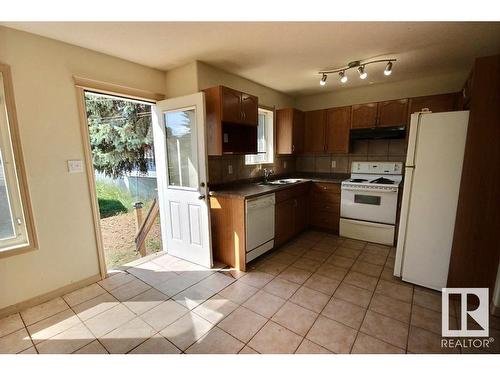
[
  {"x": 266, "y": 157},
  {"x": 13, "y": 173}
]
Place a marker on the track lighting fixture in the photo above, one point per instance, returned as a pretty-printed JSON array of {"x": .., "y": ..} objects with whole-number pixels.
[
  {"x": 323, "y": 80},
  {"x": 360, "y": 65},
  {"x": 343, "y": 77},
  {"x": 362, "y": 73}
]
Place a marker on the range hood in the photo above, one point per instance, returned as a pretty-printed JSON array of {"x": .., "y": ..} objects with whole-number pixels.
[{"x": 393, "y": 132}]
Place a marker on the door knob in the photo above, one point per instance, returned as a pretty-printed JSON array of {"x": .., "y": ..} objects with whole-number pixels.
[{"x": 202, "y": 196}]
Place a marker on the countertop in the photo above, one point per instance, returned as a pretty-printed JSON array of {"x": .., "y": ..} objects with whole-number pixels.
[{"x": 254, "y": 189}]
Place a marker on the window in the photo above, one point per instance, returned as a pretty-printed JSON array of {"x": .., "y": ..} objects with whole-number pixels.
[
  {"x": 15, "y": 223},
  {"x": 182, "y": 152},
  {"x": 265, "y": 139}
]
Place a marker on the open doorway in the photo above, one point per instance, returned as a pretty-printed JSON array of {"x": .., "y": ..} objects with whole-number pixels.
[{"x": 121, "y": 145}]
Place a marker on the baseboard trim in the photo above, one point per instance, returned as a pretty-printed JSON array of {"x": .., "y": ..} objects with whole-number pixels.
[{"x": 9, "y": 310}]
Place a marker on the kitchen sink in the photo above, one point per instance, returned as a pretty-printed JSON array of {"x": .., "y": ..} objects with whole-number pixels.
[{"x": 285, "y": 181}]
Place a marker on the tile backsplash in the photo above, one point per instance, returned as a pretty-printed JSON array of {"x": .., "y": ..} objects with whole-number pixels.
[
  {"x": 361, "y": 150},
  {"x": 220, "y": 166}
]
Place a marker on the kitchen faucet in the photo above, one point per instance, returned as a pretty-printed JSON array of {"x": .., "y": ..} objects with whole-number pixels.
[{"x": 267, "y": 173}]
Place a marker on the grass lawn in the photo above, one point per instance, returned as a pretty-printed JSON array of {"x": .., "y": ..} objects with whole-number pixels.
[
  {"x": 113, "y": 200},
  {"x": 118, "y": 225}
]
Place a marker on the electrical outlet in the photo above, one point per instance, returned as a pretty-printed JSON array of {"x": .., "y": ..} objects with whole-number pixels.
[
  {"x": 230, "y": 169},
  {"x": 284, "y": 164},
  {"x": 334, "y": 164},
  {"x": 75, "y": 166}
]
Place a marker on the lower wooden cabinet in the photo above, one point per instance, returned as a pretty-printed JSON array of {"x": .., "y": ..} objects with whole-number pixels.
[
  {"x": 314, "y": 204},
  {"x": 301, "y": 220},
  {"x": 284, "y": 221},
  {"x": 291, "y": 213},
  {"x": 324, "y": 201},
  {"x": 227, "y": 216}
]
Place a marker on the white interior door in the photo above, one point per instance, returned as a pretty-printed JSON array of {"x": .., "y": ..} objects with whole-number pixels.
[{"x": 181, "y": 169}]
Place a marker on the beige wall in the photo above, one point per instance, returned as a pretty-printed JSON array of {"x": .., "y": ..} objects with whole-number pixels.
[
  {"x": 42, "y": 71},
  {"x": 387, "y": 91},
  {"x": 196, "y": 76},
  {"x": 182, "y": 80}
]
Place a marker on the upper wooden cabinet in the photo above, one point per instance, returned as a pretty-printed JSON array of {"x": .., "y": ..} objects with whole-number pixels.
[
  {"x": 435, "y": 103},
  {"x": 338, "y": 121},
  {"x": 232, "y": 118},
  {"x": 289, "y": 131},
  {"x": 314, "y": 133},
  {"x": 364, "y": 115},
  {"x": 238, "y": 107},
  {"x": 230, "y": 104},
  {"x": 250, "y": 109},
  {"x": 392, "y": 113},
  {"x": 388, "y": 113}
]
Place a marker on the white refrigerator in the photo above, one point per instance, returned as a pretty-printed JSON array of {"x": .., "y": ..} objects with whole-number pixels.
[{"x": 433, "y": 171}]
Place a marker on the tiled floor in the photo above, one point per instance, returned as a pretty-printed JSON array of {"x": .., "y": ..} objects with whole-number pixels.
[{"x": 317, "y": 294}]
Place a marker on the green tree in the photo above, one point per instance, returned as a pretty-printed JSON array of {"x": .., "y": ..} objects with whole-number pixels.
[{"x": 120, "y": 134}]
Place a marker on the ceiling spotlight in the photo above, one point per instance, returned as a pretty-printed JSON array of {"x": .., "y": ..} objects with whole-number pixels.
[
  {"x": 323, "y": 80},
  {"x": 362, "y": 73},
  {"x": 343, "y": 77},
  {"x": 388, "y": 69}
]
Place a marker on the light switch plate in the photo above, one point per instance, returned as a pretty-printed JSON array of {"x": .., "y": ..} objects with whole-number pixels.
[
  {"x": 334, "y": 163},
  {"x": 230, "y": 169},
  {"x": 284, "y": 164},
  {"x": 75, "y": 166}
]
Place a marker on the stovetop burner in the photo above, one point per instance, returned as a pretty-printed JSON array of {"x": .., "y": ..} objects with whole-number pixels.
[
  {"x": 358, "y": 180},
  {"x": 382, "y": 180}
]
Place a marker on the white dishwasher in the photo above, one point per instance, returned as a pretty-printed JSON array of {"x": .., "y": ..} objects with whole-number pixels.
[{"x": 259, "y": 225}]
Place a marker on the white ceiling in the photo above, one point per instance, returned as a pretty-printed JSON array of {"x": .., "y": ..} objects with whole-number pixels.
[{"x": 286, "y": 55}]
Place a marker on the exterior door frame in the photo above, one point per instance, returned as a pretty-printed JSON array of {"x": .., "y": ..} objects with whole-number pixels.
[{"x": 82, "y": 85}]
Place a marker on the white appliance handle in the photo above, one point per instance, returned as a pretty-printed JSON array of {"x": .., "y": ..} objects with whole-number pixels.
[
  {"x": 403, "y": 221},
  {"x": 413, "y": 138},
  {"x": 375, "y": 191}
]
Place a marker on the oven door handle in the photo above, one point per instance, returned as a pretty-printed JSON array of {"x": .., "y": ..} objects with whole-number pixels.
[{"x": 374, "y": 191}]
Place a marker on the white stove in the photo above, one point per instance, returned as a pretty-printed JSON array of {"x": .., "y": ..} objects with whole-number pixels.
[{"x": 369, "y": 201}]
